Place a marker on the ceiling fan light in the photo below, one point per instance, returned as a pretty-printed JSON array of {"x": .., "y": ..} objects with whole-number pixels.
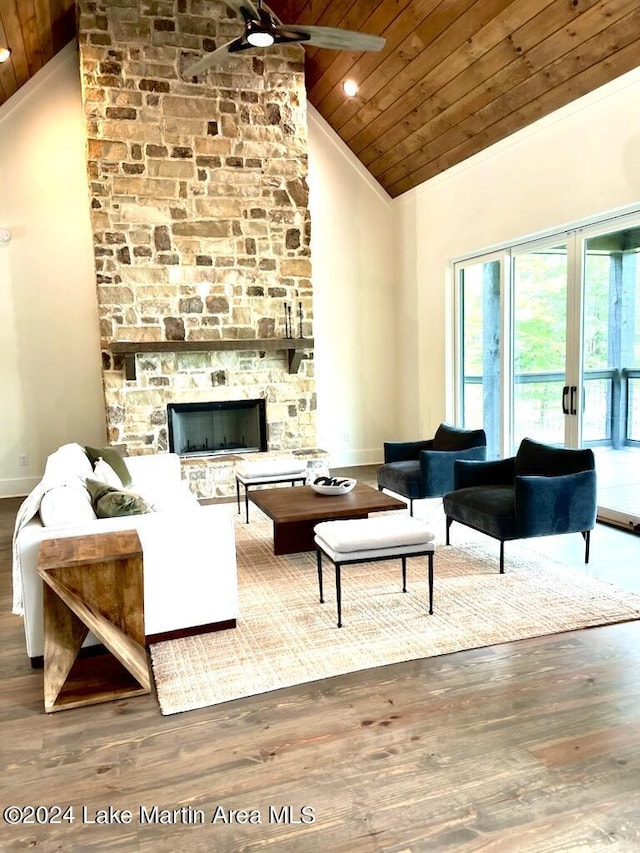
[
  {"x": 350, "y": 88},
  {"x": 258, "y": 36},
  {"x": 5, "y": 53}
]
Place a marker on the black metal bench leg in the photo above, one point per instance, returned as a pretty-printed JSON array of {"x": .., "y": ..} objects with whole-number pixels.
[
  {"x": 411, "y": 506},
  {"x": 449, "y": 522},
  {"x": 339, "y": 595},
  {"x": 430, "y": 556},
  {"x": 404, "y": 574},
  {"x": 319, "y": 561},
  {"x": 238, "y": 494},
  {"x": 246, "y": 502},
  {"x": 501, "y": 557}
]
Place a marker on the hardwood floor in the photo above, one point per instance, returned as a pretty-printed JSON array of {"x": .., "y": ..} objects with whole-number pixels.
[{"x": 528, "y": 746}]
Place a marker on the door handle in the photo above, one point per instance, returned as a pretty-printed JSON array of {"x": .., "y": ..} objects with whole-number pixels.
[
  {"x": 574, "y": 391},
  {"x": 565, "y": 394}
]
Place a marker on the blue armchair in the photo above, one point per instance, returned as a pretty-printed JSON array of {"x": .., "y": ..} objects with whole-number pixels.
[
  {"x": 541, "y": 491},
  {"x": 424, "y": 469}
]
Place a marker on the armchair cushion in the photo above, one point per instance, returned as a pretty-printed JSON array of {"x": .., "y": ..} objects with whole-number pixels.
[
  {"x": 490, "y": 509},
  {"x": 494, "y": 472},
  {"x": 534, "y": 458},
  {"x": 455, "y": 438},
  {"x": 402, "y": 478}
]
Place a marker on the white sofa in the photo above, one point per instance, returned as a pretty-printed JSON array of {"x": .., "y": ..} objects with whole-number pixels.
[{"x": 189, "y": 555}]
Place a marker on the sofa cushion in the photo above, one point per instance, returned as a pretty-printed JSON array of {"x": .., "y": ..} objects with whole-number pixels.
[
  {"x": 110, "y": 502},
  {"x": 112, "y": 457},
  {"x": 66, "y": 505}
]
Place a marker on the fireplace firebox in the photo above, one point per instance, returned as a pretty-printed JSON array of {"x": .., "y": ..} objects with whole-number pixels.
[{"x": 217, "y": 428}]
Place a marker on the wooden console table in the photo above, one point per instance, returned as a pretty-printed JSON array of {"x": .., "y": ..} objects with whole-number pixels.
[{"x": 93, "y": 583}]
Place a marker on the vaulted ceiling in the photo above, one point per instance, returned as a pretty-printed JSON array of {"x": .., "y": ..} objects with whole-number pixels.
[{"x": 454, "y": 77}]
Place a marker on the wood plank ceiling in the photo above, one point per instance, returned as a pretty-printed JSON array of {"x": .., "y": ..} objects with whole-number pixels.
[{"x": 455, "y": 75}]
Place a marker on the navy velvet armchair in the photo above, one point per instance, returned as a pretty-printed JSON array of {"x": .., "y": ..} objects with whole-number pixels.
[
  {"x": 424, "y": 469},
  {"x": 541, "y": 491}
]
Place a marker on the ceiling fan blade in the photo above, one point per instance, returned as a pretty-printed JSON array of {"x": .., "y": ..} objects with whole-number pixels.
[
  {"x": 333, "y": 38},
  {"x": 245, "y": 9},
  {"x": 216, "y": 57}
]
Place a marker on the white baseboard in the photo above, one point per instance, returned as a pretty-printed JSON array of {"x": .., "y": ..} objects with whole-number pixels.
[
  {"x": 346, "y": 457},
  {"x": 18, "y": 488}
]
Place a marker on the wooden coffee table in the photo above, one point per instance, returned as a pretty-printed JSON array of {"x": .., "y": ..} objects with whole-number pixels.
[{"x": 296, "y": 511}]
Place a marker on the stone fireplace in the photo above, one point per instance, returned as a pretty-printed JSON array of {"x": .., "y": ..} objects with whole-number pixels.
[
  {"x": 217, "y": 429},
  {"x": 199, "y": 209}
]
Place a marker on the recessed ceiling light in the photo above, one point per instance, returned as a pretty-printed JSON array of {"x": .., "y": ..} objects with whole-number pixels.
[
  {"x": 5, "y": 53},
  {"x": 350, "y": 88}
]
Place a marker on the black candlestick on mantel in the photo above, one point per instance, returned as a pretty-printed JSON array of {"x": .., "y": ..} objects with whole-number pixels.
[
  {"x": 290, "y": 331},
  {"x": 300, "y": 319},
  {"x": 286, "y": 321}
]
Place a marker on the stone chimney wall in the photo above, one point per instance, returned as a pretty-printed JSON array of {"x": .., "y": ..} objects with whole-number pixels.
[{"x": 199, "y": 208}]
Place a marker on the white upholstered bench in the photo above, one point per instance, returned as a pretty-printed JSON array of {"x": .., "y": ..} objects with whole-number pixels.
[
  {"x": 264, "y": 472},
  {"x": 368, "y": 540}
]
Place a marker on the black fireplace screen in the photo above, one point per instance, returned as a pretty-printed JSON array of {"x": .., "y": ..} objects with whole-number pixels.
[{"x": 202, "y": 429}]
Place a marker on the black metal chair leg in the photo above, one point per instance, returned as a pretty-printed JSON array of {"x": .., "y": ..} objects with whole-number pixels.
[
  {"x": 501, "y": 556},
  {"x": 430, "y": 557},
  {"x": 411, "y": 506},
  {"x": 404, "y": 574},
  {"x": 238, "y": 494},
  {"x": 339, "y": 595},
  {"x": 319, "y": 561},
  {"x": 586, "y": 534},
  {"x": 448, "y": 527}
]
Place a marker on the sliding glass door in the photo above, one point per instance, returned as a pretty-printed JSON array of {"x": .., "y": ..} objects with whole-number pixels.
[
  {"x": 548, "y": 346},
  {"x": 611, "y": 368},
  {"x": 539, "y": 305}
]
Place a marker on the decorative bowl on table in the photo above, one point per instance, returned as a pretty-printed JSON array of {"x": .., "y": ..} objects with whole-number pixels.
[{"x": 333, "y": 485}]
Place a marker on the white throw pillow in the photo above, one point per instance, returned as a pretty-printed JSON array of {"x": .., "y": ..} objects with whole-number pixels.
[
  {"x": 66, "y": 505},
  {"x": 103, "y": 472}
]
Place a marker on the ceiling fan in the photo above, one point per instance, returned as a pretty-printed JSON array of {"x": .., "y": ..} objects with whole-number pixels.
[{"x": 262, "y": 29}]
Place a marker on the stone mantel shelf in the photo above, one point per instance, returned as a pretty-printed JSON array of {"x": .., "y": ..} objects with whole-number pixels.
[{"x": 294, "y": 347}]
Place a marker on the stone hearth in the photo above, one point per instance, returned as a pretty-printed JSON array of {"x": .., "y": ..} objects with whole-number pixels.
[{"x": 199, "y": 209}]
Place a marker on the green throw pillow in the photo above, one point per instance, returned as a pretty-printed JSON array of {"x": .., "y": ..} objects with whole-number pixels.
[
  {"x": 114, "y": 503},
  {"x": 112, "y": 457}
]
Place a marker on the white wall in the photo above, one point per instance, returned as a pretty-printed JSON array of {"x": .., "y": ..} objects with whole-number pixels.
[
  {"x": 355, "y": 281},
  {"x": 50, "y": 377},
  {"x": 579, "y": 162}
]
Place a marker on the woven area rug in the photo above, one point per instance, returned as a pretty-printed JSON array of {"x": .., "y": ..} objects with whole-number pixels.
[{"x": 285, "y": 636}]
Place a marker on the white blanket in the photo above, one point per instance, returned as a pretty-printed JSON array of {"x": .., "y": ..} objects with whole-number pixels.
[{"x": 68, "y": 465}]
